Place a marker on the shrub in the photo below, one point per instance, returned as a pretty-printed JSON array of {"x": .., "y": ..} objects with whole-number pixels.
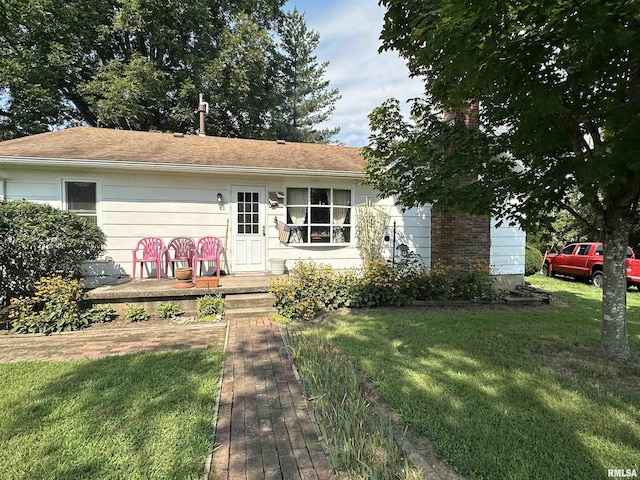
[
  {"x": 473, "y": 282},
  {"x": 169, "y": 310},
  {"x": 381, "y": 283},
  {"x": 54, "y": 307},
  {"x": 38, "y": 240},
  {"x": 100, "y": 313},
  {"x": 135, "y": 313},
  {"x": 211, "y": 306},
  {"x": 532, "y": 260},
  {"x": 313, "y": 288},
  {"x": 280, "y": 319},
  {"x": 439, "y": 283}
]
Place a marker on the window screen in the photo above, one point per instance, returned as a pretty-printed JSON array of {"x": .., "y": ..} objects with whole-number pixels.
[{"x": 81, "y": 199}]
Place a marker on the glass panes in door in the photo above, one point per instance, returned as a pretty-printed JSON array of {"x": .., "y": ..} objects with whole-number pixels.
[{"x": 248, "y": 220}]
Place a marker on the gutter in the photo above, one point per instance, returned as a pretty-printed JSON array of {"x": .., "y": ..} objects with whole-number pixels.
[{"x": 170, "y": 167}]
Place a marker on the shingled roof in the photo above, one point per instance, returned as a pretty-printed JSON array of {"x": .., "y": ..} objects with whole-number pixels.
[{"x": 102, "y": 144}]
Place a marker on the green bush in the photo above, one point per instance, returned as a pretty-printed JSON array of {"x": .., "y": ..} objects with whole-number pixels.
[
  {"x": 169, "y": 310},
  {"x": 280, "y": 319},
  {"x": 312, "y": 288},
  {"x": 135, "y": 313},
  {"x": 38, "y": 240},
  {"x": 381, "y": 283},
  {"x": 100, "y": 313},
  {"x": 211, "y": 306},
  {"x": 532, "y": 260},
  {"x": 54, "y": 307},
  {"x": 474, "y": 282}
]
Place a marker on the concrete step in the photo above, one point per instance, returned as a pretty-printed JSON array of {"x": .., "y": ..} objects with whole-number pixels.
[
  {"x": 249, "y": 300},
  {"x": 249, "y": 312}
]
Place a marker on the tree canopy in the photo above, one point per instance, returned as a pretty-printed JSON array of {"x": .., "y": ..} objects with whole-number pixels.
[
  {"x": 304, "y": 97},
  {"x": 140, "y": 64},
  {"x": 557, "y": 85}
]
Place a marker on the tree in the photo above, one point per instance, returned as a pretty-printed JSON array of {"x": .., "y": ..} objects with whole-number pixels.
[
  {"x": 38, "y": 240},
  {"x": 238, "y": 80},
  {"x": 558, "y": 89},
  {"x": 133, "y": 64},
  {"x": 566, "y": 228},
  {"x": 303, "y": 97}
]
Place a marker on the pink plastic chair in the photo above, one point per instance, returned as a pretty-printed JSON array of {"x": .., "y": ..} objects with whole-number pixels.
[
  {"x": 183, "y": 250},
  {"x": 151, "y": 250},
  {"x": 207, "y": 249}
]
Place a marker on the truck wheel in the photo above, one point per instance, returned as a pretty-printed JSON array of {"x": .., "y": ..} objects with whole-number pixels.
[
  {"x": 597, "y": 278},
  {"x": 546, "y": 271}
]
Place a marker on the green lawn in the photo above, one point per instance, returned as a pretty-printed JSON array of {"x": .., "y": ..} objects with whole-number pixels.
[
  {"x": 506, "y": 393},
  {"x": 143, "y": 416}
]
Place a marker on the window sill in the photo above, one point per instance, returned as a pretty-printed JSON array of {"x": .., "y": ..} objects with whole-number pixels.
[{"x": 319, "y": 244}]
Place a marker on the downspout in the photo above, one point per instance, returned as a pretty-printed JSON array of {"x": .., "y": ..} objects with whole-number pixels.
[{"x": 2, "y": 188}]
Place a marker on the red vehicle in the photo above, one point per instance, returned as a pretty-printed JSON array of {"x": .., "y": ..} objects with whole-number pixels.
[{"x": 584, "y": 260}]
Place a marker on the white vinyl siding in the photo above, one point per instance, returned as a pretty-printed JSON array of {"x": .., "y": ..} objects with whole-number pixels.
[
  {"x": 133, "y": 205},
  {"x": 507, "y": 249}
]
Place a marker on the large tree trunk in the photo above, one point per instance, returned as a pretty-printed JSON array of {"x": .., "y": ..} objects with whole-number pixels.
[{"x": 614, "y": 340}]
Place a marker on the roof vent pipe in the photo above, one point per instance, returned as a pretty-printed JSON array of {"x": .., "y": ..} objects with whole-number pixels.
[{"x": 203, "y": 107}]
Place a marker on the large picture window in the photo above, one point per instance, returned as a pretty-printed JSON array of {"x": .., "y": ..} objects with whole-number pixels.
[
  {"x": 319, "y": 215},
  {"x": 81, "y": 198}
]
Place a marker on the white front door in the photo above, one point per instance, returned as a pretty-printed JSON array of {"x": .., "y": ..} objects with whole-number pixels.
[{"x": 248, "y": 229}]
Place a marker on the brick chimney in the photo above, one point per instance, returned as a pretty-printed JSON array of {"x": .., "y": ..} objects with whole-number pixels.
[
  {"x": 468, "y": 117},
  {"x": 459, "y": 239}
]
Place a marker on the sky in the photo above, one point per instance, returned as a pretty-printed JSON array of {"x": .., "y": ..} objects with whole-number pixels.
[{"x": 349, "y": 40}]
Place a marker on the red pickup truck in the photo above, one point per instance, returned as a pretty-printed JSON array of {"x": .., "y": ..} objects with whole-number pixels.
[{"x": 584, "y": 260}]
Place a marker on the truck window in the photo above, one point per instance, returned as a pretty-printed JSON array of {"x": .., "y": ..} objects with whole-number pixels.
[
  {"x": 599, "y": 251},
  {"x": 568, "y": 250},
  {"x": 583, "y": 250}
]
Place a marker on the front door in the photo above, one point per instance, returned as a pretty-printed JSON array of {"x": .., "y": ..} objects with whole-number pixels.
[{"x": 249, "y": 229}]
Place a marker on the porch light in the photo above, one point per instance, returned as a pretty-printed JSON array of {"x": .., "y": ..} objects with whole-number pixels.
[{"x": 220, "y": 199}]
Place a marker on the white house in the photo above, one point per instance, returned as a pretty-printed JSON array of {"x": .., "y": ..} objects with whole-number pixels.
[{"x": 139, "y": 184}]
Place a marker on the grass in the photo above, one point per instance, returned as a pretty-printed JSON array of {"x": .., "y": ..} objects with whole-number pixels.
[
  {"x": 143, "y": 416},
  {"x": 506, "y": 393},
  {"x": 359, "y": 438}
]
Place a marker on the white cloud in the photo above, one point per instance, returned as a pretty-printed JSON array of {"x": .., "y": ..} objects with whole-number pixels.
[{"x": 349, "y": 40}]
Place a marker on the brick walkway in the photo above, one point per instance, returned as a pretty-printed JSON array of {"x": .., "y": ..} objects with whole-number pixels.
[
  {"x": 264, "y": 430},
  {"x": 103, "y": 342}
]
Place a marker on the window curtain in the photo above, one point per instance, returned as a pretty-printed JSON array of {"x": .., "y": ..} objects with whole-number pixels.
[
  {"x": 341, "y": 197},
  {"x": 297, "y": 196}
]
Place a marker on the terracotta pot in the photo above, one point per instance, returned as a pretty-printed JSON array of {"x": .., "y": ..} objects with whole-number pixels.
[
  {"x": 207, "y": 282},
  {"x": 184, "y": 273}
]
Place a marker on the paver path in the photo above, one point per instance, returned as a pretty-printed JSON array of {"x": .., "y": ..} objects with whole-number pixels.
[
  {"x": 117, "y": 341},
  {"x": 264, "y": 430}
]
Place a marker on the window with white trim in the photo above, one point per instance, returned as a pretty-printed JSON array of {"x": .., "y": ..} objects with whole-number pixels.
[
  {"x": 319, "y": 215},
  {"x": 81, "y": 197}
]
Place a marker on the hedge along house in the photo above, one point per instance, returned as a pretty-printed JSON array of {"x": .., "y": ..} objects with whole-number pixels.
[{"x": 139, "y": 184}]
